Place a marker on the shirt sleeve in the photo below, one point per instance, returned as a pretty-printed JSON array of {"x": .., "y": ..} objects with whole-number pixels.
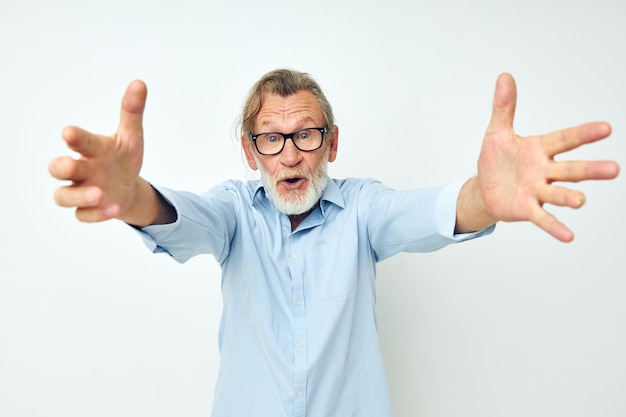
[
  {"x": 421, "y": 220},
  {"x": 204, "y": 225}
]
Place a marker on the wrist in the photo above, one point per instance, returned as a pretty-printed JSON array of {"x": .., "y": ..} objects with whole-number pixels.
[
  {"x": 472, "y": 213},
  {"x": 147, "y": 207}
]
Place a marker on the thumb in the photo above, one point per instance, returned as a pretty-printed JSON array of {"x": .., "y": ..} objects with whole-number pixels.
[
  {"x": 504, "y": 101},
  {"x": 133, "y": 105}
]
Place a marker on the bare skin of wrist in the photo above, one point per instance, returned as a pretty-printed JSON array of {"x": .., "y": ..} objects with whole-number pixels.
[
  {"x": 471, "y": 214},
  {"x": 147, "y": 207}
]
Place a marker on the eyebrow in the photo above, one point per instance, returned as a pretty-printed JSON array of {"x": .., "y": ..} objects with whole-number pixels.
[{"x": 306, "y": 119}]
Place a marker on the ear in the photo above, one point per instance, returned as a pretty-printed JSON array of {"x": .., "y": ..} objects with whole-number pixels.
[
  {"x": 246, "y": 145},
  {"x": 334, "y": 143}
]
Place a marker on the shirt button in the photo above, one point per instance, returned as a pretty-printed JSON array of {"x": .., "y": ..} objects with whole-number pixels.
[
  {"x": 291, "y": 257},
  {"x": 299, "y": 301},
  {"x": 300, "y": 393},
  {"x": 300, "y": 344}
]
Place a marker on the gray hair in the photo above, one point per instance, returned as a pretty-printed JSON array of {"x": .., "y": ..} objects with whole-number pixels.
[{"x": 282, "y": 82}]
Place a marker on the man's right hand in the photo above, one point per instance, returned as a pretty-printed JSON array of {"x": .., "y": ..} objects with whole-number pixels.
[{"x": 105, "y": 178}]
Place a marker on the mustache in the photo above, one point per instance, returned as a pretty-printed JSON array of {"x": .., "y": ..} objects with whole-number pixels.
[{"x": 292, "y": 173}]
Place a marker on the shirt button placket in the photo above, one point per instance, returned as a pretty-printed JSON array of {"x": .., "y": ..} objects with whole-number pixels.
[{"x": 299, "y": 322}]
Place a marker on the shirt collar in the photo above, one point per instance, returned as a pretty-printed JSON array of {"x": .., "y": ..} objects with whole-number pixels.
[{"x": 331, "y": 195}]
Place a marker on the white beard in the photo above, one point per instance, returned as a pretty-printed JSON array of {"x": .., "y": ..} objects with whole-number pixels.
[{"x": 296, "y": 201}]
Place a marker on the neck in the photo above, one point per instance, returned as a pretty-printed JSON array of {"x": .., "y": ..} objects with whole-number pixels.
[{"x": 296, "y": 219}]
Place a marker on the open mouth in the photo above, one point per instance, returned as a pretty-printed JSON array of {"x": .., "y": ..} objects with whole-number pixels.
[{"x": 292, "y": 182}]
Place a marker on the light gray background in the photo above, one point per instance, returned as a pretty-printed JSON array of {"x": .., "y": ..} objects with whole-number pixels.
[{"x": 516, "y": 324}]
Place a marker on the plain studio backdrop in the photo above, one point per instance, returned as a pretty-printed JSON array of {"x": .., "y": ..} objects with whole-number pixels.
[{"x": 515, "y": 324}]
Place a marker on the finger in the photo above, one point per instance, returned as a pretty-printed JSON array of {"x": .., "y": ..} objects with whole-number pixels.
[
  {"x": 571, "y": 138},
  {"x": 78, "y": 196},
  {"x": 133, "y": 105},
  {"x": 504, "y": 102},
  {"x": 97, "y": 214},
  {"x": 66, "y": 168},
  {"x": 561, "y": 196},
  {"x": 575, "y": 171},
  {"x": 552, "y": 225},
  {"x": 86, "y": 143}
]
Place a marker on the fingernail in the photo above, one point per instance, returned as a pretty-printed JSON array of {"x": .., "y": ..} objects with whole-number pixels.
[
  {"x": 110, "y": 211},
  {"x": 91, "y": 197},
  {"x": 579, "y": 200}
]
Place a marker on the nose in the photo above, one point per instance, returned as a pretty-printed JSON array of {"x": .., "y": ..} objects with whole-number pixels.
[{"x": 290, "y": 155}]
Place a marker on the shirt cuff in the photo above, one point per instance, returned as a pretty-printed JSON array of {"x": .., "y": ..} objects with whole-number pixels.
[
  {"x": 446, "y": 215},
  {"x": 150, "y": 234}
]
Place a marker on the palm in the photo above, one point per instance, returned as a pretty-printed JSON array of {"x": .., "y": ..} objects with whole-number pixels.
[
  {"x": 510, "y": 170},
  {"x": 516, "y": 174}
]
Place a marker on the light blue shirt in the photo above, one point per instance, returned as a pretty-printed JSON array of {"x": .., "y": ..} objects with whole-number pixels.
[{"x": 298, "y": 329}]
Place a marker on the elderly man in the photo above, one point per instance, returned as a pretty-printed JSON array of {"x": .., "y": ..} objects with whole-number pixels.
[{"x": 298, "y": 250}]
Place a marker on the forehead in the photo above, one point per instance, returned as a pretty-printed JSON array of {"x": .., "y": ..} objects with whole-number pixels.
[{"x": 289, "y": 113}]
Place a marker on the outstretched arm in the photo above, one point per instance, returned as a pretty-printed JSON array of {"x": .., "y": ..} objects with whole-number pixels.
[
  {"x": 516, "y": 174},
  {"x": 105, "y": 181}
]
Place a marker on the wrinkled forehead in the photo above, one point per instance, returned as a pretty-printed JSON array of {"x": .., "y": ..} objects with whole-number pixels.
[{"x": 289, "y": 113}]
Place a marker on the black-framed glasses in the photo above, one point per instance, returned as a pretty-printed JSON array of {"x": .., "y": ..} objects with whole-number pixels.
[{"x": 306, "y": 140}]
